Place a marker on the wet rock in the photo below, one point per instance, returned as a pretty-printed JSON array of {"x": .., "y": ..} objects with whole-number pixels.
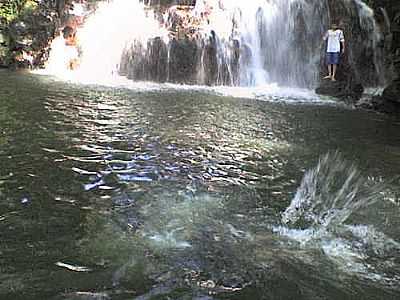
[
  {"x": 387, "y": 15},
  {"x": 389, "y": 102},
  {"x": 343, "y": 90},
  {"x": 392, "y": 92},
  {"x": 183, "y": 61},
  {"x": 378, "y": 103},
  {"x": 210, "y": 62},
  {"x": 157, "y": 60},
  {"x": 133, "y": 62}
]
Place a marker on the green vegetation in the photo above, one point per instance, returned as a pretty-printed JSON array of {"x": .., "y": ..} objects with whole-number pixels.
[
  {"x": 10, "y": 10},
  {"x": 24, "y": 26}
]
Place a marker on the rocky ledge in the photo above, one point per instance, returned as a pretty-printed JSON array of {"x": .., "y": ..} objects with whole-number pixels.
[{"x": 349, "y": 86}]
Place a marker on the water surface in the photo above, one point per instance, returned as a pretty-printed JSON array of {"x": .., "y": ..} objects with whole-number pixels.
[{"x": 178, "y": 193}]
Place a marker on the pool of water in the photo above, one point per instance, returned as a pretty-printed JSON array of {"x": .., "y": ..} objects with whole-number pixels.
[{"x": 168, "y": 192}]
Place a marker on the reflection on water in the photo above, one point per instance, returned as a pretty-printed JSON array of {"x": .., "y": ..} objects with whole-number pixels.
[{"x": 114, "y": 193}]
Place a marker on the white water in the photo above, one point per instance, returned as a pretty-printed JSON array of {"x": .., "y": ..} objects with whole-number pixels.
[
  {"x": 330, "y": 193},
  {"x": 241, "y": 20},
  {"x": 319, "y": 218},
  {"x": 102, "y": 40}
]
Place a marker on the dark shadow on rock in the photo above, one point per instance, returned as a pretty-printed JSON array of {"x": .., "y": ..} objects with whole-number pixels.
[
  {"x": 343, "y": 90},
  {"x": 183, "y": 61},
  {"x": 346, "y": 88},
  {"x": 388, "y": 103}
]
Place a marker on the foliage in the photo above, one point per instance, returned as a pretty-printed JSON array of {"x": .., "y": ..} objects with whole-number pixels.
[{"x": 10, "y": 10}]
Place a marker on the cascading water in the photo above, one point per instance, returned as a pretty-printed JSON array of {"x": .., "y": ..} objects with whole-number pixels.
[
  {"x": 239, "y": 43},
  {"x": 103, "y": 37},
  {"x": 252, "y": 44}
]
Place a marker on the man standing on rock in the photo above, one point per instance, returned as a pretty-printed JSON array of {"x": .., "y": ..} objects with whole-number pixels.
[
  {"x": 335, "y": 46},
  {"x": 71, "y": 48}
]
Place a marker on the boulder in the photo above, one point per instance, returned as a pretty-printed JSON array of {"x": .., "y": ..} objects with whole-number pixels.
[
  {"x": 347, "y": 87},
  {"x": 392, "y": 92},
  {"x": 344, "y": 90},
  {"x": 378, "y": 103},
  {"x": 183, "y": 61},
  {"x": 157, "y": 60},
  {"x": 210, "y": 63}
]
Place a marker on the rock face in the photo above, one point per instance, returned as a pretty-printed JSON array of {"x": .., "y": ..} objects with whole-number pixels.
[
  {"x": 190, "y": 56},
  {"x": 347, "y": 91},
  {"x": 387, "y": 13},
  {"x": 180, "y": 61},
  {"x": 391, "y": 94},
  {"x": 387, "y": 17},
  {"x": 361, "y": 65}
]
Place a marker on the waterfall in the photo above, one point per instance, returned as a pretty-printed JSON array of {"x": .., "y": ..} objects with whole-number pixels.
[
  {"x": 220, "y": 42},
  {"x": 103, "y": 37},
  {"x": 372, "y": 39}
]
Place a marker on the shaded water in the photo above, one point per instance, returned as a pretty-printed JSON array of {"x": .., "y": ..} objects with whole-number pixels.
[{"x": 164, "y": 192}]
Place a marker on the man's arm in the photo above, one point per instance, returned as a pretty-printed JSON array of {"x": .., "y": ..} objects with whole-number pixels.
[{"x": 342, "y": 41}]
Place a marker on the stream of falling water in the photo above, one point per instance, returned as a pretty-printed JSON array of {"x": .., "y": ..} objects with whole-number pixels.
[
  {"x": 102, "y": 39},
  {"x": 280, "y": 41}
]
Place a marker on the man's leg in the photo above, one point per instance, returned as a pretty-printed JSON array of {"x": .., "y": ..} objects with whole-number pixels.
[
  {"x": 334, "y": 68},
  {"x": 329, "y": 72},
  {"x": 329, "y": 64}
]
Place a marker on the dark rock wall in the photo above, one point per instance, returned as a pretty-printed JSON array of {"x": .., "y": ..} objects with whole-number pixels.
[
  {"x": 373, "y": 64},
  {"x": 180, "y": 61},
  {"x": 389, "y": 13}
]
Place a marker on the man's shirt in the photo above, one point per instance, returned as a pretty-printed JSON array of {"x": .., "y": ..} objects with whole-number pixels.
[{"x": 335, "y": 37}]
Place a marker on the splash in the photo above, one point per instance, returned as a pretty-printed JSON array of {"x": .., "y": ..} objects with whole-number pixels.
[
  {"x": 319, "y": 217},
  {"x": 330, "y": 193}
]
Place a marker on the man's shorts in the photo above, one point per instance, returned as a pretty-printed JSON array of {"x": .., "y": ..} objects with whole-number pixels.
[{"x": 332, "y": 58}]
